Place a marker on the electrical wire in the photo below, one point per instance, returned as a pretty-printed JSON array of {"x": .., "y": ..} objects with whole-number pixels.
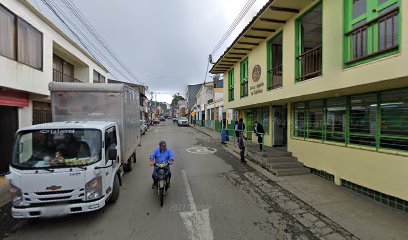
[
  {"x": 234, "y": 24},
  {"x": 87, "y": 42}
]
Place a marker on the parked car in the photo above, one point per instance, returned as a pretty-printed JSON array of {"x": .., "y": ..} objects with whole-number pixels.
[
  {"x": 143, "y": 127},
  {"x": 162, "y": 119},
  {"x": 175, "y": 120},
  {"x": 182, "y": 121},
  {"x": 156, "y": 121}
]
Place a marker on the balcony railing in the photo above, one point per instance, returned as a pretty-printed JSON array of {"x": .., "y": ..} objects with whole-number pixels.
[
  {"x": 373, "y": 38},
  {"x": 275, "y": 75},
  {"x": 59, "y": 76},
  {"x": 310, "y": 64}
]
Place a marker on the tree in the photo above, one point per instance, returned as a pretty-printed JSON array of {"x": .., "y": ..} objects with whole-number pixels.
[{"x": 176, "y": 98}]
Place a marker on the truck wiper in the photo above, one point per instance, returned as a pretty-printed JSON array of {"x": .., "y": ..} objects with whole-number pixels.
[{"x": 83, "y": 168}]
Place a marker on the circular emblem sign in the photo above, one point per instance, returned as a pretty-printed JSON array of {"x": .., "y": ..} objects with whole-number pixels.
[
  {"x": 201, "y": 150},
  {"x": 256, "y": 73}
]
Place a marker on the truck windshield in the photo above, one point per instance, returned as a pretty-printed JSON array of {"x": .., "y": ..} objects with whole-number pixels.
[{"x": 57, "y": 148}]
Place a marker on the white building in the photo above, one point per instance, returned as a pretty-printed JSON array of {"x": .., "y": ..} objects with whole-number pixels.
[
  {"x": 34, "y": 52},
  {"x": 208, "y": 109}
]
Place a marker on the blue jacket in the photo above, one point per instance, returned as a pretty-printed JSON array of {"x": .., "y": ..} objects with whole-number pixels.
[{"x": 162, "y": 157}]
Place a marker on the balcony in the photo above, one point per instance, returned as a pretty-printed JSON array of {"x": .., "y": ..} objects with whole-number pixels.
[
  {"x": 59, "y": 76},
  {"x": 275, "y": 77},
  {"x": 375, "y": 37},
  {"x": 310, "y": 64}
]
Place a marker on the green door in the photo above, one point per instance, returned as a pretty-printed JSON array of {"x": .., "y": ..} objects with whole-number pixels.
[{"x": 249, "y": 124}]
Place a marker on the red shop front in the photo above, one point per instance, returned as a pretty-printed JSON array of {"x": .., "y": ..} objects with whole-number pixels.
[{"x": 10, "y": 101}]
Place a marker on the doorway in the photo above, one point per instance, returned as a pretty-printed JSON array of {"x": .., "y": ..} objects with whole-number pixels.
[
  {"x": 9, "y": 126},
  {"x": 280, "y": 126}
]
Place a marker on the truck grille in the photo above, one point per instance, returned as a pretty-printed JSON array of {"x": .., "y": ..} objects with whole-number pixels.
[{"x": 54, "y": 192}]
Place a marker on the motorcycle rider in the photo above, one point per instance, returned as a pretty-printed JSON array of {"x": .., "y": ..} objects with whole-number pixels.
[{"x": 161, "y": 155}]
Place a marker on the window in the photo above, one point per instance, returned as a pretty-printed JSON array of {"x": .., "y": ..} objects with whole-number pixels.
[
  {"x": 98, "y": 78},
  {"x": 315, "y": 119},
  {"x": 244, "y": 78},
  {"x": 299, "y": 119},
  {"x": 394, "y": 120},
  {"x": 231, "y": 85},
  {"x": 29, "y": 45},
  {"x": 63, "y": 71},
  {"x": 309, "y": 44},
  {"x": 19, "y": 40},
  {"x": 262, "y": 116},
  {"x": 372, "y": 29},
  {"x": 8, "y": 33},
  {"x": 363, "y": 110},
  {"x": 110, "y": 139},
  {"x": 378, "y": 120},
  {"x": 274, "y": 62},
  {"x": 336, "y": 119}
]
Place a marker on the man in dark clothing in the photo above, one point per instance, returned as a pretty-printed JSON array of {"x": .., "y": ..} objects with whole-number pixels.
[
  {"x": 259, "y": 131},
  {"x": 240, "y": 127},
  {"x": 241, "y": 145}
]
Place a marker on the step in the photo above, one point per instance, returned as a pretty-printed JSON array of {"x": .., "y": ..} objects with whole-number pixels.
[
  {"x": 283, "y": 165},
  {"x": 290, "y": 172},
  {"x": 280, "y": 159},
  {"x": 277, "y": 153}
]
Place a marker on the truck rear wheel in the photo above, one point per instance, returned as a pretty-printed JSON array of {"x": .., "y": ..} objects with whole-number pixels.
[
  {"x": 129, "y": 164},
  {"x": 116, "y": 190}
]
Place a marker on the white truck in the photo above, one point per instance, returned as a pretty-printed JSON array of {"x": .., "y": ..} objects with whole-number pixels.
[{"x": 75, "y": 163}]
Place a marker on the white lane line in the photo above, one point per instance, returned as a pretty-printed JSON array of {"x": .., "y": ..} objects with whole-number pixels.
[
  {"x": 196, "y": 222},
  {"x": 190, "y": 198}
]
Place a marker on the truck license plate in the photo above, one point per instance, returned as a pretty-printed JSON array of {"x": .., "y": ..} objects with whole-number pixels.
[{"x": 55, "y": 211}]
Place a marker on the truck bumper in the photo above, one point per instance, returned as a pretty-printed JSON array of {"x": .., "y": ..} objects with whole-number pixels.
[{"x": 58, "y": 210}]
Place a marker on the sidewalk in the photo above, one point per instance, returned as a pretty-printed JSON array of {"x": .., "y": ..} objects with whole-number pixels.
[
  {"x": 362, "y": 216},
  {"x": 4, "y": 191}
]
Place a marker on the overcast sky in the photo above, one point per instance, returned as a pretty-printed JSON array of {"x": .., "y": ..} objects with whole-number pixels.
[{"x": 165, "y": 42}]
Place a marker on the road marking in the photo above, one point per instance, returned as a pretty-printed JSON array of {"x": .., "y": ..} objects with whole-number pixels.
[
  {"x": 197, "y": 222},
  {"x": 201, "y": 150},
  {"x": 157, "y": 129}
]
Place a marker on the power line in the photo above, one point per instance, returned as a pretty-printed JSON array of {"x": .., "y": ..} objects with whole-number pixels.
[
  {"x": 97, "y": 36},
  {"x": 88, "y": 42},
  {"x": 234, "y": 24}
]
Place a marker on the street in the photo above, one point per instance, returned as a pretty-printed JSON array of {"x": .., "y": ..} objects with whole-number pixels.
[{"x": 242, "y": 204}]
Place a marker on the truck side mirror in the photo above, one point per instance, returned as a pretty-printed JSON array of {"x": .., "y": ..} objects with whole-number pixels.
[{"x": 112, "y": 154}]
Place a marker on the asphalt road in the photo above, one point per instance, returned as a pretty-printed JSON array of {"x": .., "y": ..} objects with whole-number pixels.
[{"x": 213, "y": 196}]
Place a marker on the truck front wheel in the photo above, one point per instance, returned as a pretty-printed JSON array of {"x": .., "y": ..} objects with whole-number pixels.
[{"x": 116, "y": 190}]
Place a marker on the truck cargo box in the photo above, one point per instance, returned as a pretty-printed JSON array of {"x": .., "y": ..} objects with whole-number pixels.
[{"x": 100, "y": 102}]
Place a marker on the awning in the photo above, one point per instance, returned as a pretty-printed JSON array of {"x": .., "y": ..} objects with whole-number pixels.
[{"x": 269, "y": 19}]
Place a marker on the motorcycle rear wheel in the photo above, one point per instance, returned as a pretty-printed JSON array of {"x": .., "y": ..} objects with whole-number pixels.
[{"x": 161, "y": 197}]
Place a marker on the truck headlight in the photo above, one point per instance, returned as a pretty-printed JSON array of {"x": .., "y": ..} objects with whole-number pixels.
[
  {"x": 93, "y": 189},
  {"x": 16, "y": 195}
]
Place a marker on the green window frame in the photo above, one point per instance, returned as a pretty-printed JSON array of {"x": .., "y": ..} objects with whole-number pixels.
[
  {"x": 231, "y": 83},
  {"x": 308, "y": 59},
  {"x": 372, "y": 30},
  {"x": 377, "y": 120},
  {"x": 274, "y": 60},
  {"x": 244, "y": 79}
]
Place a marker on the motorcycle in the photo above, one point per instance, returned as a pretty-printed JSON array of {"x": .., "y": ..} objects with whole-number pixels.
[{"x": 162, "y": 180}]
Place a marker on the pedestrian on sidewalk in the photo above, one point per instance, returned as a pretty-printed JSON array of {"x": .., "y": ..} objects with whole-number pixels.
[
  {"x": 236, "y": 130},
  {"x": 259, "y": 131},
  {"x": 239, "y": 127},
  {"x": 242, "y": 145}
]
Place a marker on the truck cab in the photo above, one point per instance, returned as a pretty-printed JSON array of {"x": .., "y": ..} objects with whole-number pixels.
[{"x": 62, "y": 168}]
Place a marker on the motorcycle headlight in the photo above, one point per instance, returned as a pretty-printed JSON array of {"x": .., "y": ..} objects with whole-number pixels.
[
  {"x": 93, "y": 189},
  {"x": 16, "y": 195}
]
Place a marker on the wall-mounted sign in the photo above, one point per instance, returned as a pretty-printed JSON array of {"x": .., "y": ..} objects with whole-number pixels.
[
  {"x": 256, "y": 73},
  {"x": 14, "y": 99}
]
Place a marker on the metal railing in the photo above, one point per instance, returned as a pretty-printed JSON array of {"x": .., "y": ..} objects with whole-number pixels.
[
  {"x": 59, "y": 76},
  {"x": 373, "y": 38},
  {"x": 310, "y": 64},
  {"x": 275, "y": 77}
]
